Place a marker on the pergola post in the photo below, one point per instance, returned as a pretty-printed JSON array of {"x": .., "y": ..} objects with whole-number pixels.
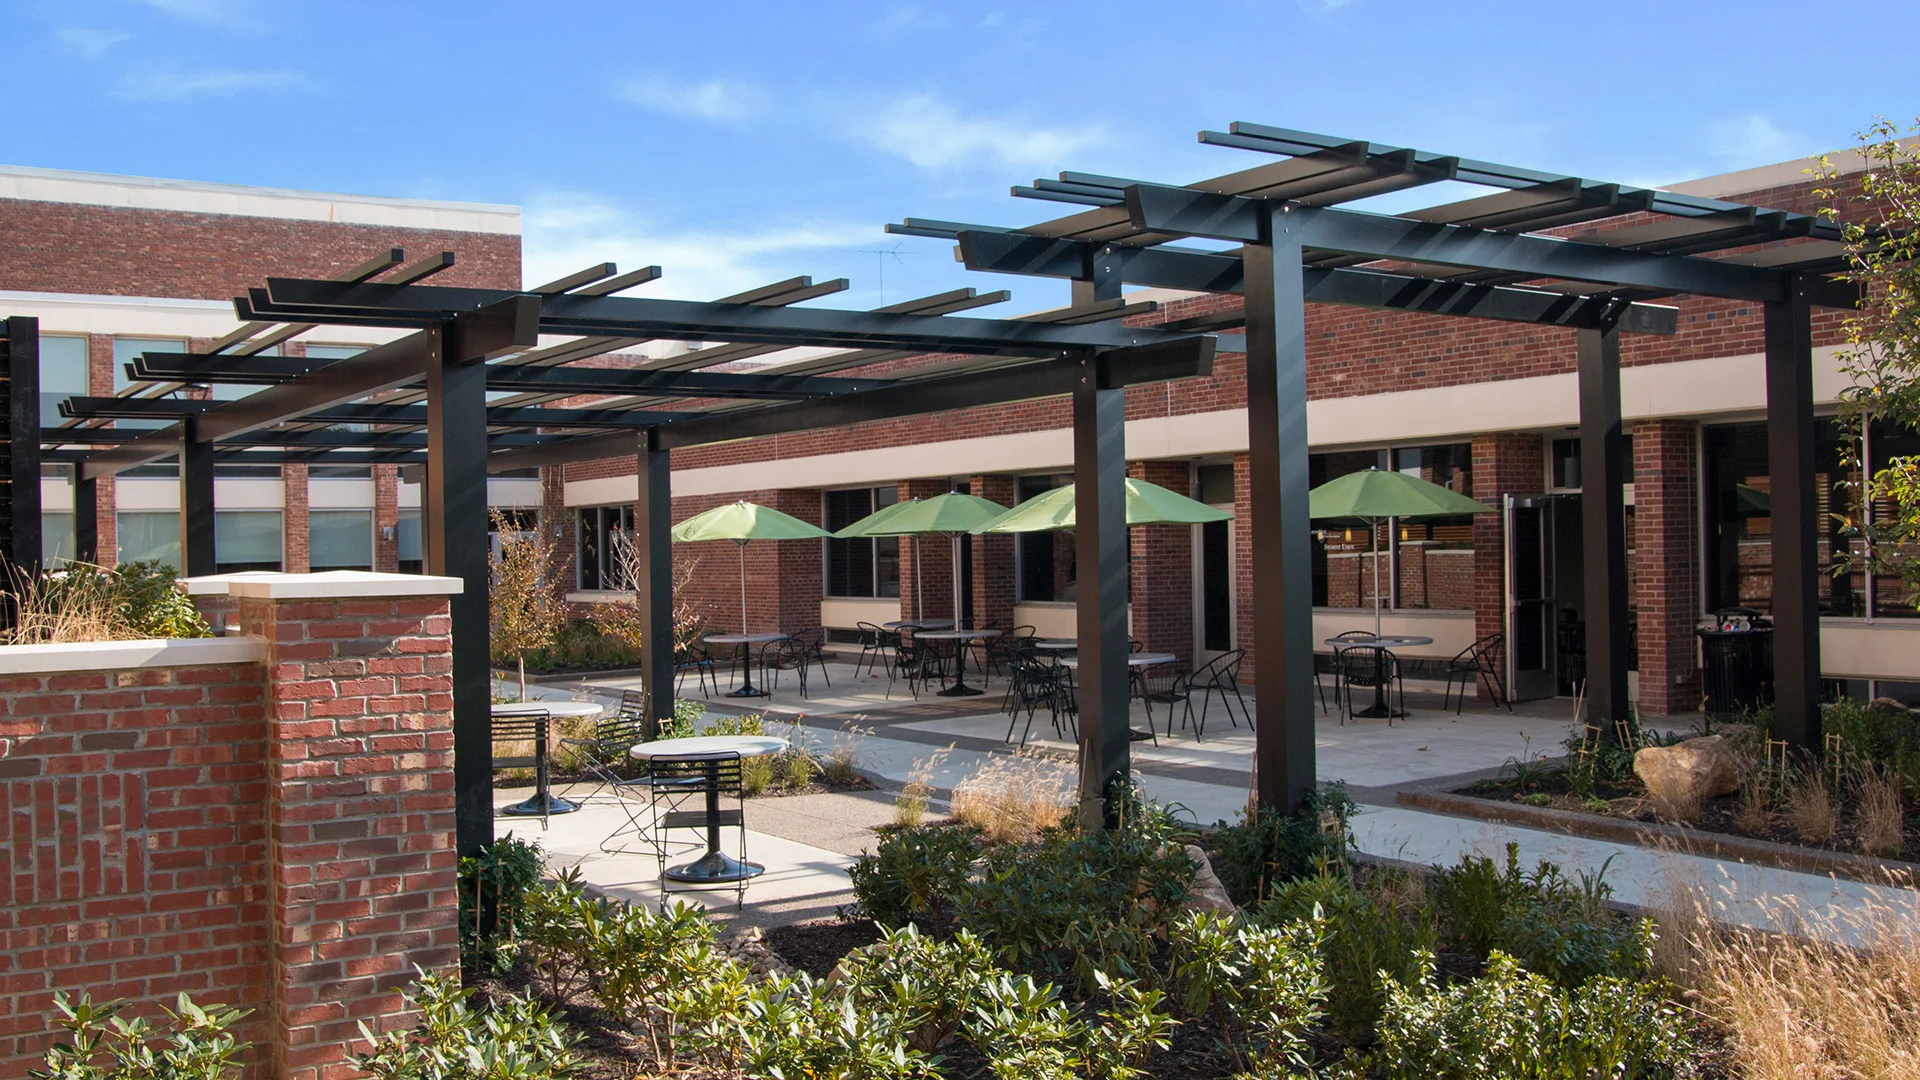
[
  {"x": 1277, "y": 475},
  {"x": 198, "y": 557},
  {"x": 23, "y": 436},
  {"x": 454, "y": 497},
  {"x": 1795, "y": 517},
  {"x": 1100, "y": 550},
  {"x": 86, "y": 517},
  {"x": 653, "y": 536},
  {"x": 1603, "y": 524}
]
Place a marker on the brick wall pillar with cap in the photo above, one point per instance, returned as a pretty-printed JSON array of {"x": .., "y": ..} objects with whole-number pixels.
[
  {"x": 1666, "y": 564},
  {"x": 927, "y": 564},
  {"x": 360, "y": 805},
  {"x": 1503, "y": 464},
  {"x": 993, "y": 556},
  {"x": 1161, "y": 581}
]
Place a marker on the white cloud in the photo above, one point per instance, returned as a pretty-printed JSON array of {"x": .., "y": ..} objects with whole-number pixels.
[
  {"x": 566, "y": 230},
  {"x": 710, "y": 99},
  {"x": 88, "y": 41},
  {"x": 935, "y": 135},
  {"x": 1755, "y": 139},
  {"x": 182, "y": 86}
]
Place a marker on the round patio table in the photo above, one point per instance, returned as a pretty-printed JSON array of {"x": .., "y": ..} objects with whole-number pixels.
[
  {"x": 1379, "y": 708},
  {"x": 1057, "y": 644},
  {"x": 543, "y": 802},
  {"x": 924, "y": 624},
  {"x": 715, "y": 867},
  {"x": 746, "y": 642},
  {"x": 1134, "y": 660},
  {"x": 961, "y": 637}
]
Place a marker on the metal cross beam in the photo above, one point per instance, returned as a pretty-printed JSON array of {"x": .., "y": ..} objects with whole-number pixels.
[
  {"x": 1208, "y": 271},
  {"x": 115, "y": 408},
  {"x": 1183, "y": 211},
  {"x": 605, "y": 316}
]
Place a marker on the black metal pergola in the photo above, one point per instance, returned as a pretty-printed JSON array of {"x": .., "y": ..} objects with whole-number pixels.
[{"x": 423, "y": 397}]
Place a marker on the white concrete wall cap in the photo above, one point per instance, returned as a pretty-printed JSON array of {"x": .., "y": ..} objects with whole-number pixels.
[
  {"x": 326, "y": 585},
  {"x": 124, "y": 655}
]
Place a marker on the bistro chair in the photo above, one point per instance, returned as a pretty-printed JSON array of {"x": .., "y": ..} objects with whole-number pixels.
[
  {"x": 1169, "y": 685},
  {"x": 681, "y": 789},
  {"x": 876, "y": 645},
  {"x": 787, "y": 654},
  {"x": 1220, "y": 675},
  {"x": 813, "y": 646},
  {"x": 603, "y": 756},
  {"x": 1371, "y": 668},
  {"x": 512, "y": 731},
  {"x": 1333, "y": 666},
  {"x": 694, "y": 657},
  {"x": 1032, "y": 684},
  {"x": 1477, "y": 662},
  {"x": 918, "y": 662}
]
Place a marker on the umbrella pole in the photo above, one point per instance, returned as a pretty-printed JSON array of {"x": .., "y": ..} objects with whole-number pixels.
[
  {"x": 1373, "y": 531},
  {"x": 743, "y": 588},
  {"x": 956, "y": 579},
  {"x": 919, "y": 601}
]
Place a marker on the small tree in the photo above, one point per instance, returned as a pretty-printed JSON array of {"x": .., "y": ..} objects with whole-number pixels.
[
  {"x": 525, "y": 609},
  {"x": 1881, "y": 350},
  {"x": 625, "y": 620}
]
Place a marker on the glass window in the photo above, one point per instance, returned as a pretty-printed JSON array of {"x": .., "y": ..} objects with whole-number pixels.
[
  {"x": 63, "y": 374},
  {"x": 247, "y": 540},
  {"x": 409, "y": 541},
  {"x": 1045, "y": 560},
  {"x": 597, "y": 559},
  {"x": 1215, "y": 484},
  {"x": 1423, "y": 564},
  {"x": 1740, "y": 523},
  {"x": 340, "y": 539},
  {"x": 861, "y": 567},
  {"x": 233, "y": 391},
  {"x": 56, "y": 538},
  {"x": 148, "y": 537}
]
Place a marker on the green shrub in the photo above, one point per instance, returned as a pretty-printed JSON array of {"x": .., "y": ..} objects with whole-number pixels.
[
  {"x": 1077, "y": 902},
  {"x": 1258, "y": 852},
  {"x": 579, "y": 646},
  {"x": 513, "y": 1040},
  {"x": 1883, "y": 736},
  {"x": 153, "y": 605},
  {"x": 1264, "y": 986},
  {"x": 929, "y": 986},
  {"x": 102, "y": 1046},
  {"x": 797, "y": 1028},
  {"x": 493, "y": 889},
  {"x": 1512, "y": 1023},
  {"x": 1027, "y": 1033},
  {"x": 913, "y": 876},
  {"x": 1558, "y": 927},
  {"x": 1362, "y": 941}
]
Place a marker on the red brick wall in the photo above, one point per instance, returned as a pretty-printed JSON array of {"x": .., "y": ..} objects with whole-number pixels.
[
  {"x": 1666, "y": 563},
  {"x": 386, "y": 518},
  {"x": 294, "y": 532},
  {"x": 132, "y": 845},
  {"x": 121, "y": 251},
  {"x": 1161, "y": 581},
  {"x": 993, "y": 557},
  {"x": 926, "y": 562},
  {"x": 1503, "y": 464}
]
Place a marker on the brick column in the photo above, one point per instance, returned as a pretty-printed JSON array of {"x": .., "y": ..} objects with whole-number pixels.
[
  {"x": 800, "y": 583},
  {"x": 1666, "y": 564},
  {"x": 295, "y": 559},
  {"x": 100, "y": 383},
  {"x": 1243, "y": 565},
  {"x": 993, "y": 558},
  {"x": 1503, "y": 464},
  {"x": 559, "y": 524},
  {"x": 360, "y": 818},
  {"x": 386, "y": 518},
  {"x": 1161, "y": 582},
  {"x": 935, "y": 561}
]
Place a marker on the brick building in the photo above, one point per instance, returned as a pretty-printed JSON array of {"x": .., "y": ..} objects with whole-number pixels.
[{"x": 112, "y": 265}]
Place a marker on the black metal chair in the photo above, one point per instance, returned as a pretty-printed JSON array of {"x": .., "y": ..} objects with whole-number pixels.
[
  {"x": 1477, "y": 662},
  {"x": 1372, "y": 668},
  {"x": 694, "y": 657},
  {"x": 813, "y": 645},
  {"x": 603, "y": 755},
  {"x": 876, "y": 645},
  {"x": 1031, "y": 684},
  {"x": 689, "y": 794},
  {"x": 528, "y": 727},
  {"x": 1221, "y": 675},
  {"x": 917, "y": 661},
  {"x": 787, "y": 654},
  {"x": 1334, "y": 666}
]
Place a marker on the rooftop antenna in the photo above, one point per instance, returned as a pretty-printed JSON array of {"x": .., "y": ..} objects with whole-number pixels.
[{"x": 880, "y": 264}]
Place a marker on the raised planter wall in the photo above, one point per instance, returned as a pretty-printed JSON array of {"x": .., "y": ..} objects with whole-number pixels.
[{"x": 263, "y": 821}]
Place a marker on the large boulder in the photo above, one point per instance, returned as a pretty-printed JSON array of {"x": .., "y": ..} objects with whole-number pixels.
[
  {"x": 1687, "y": 774},
  {"x": 1207, "y": 893}
]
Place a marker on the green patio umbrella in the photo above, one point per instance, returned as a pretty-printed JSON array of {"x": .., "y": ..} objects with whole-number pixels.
[
  {"x": 953, "y": 515},
  {"x": 743, "y": 522},
  {"x": 1377, "y": 495},
  {"x": 1147, "y": 504}
]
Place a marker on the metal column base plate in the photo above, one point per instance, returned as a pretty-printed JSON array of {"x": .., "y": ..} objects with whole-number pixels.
[
  {"x": 534, "y": 807},
  {"x": 715, "y": 868}
]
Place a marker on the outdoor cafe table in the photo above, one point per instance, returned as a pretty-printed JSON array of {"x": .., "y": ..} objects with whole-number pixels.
[
  {"x": 716, "y": 866},
  {"x": 1379, "y": 708},
  {"x": 1136, "y": 661},
  {"x": 1057, "y": 644},
  {"x": 924, "y": 624},
  {"x": 746, "y": 642},
  {"x": 960, "y": 637},
  {"x": 543, "y": 802}
]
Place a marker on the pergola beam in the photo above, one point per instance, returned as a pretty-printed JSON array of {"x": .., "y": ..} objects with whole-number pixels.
[{"x": 114, "y": 408}]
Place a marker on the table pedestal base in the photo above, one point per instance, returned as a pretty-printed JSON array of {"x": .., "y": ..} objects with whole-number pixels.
[
  {"x": 715, "y": 868},
  {"x": 959, "y": 690},
  {"x": 542, "y": 804},
  {"x": 747, "y": 691}
]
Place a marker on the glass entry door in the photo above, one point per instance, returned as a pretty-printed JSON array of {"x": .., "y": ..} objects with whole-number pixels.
[
  {"x": 1213, "y": 589},
  {"x": 1532, "y": 668}
]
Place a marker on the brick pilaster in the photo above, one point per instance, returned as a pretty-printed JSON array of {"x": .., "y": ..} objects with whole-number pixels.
[
  {"x": 1666, "y": 564},
  {"x": 100, "y": 383},
  {"x": 360, "y": 856},
  {"x": 1503, "y": 464},
  {"x": 386, "y": 518},
  {"x": 555, "y": 521},
  {"x": 1243, "y": 564},
  {"x": 294, "y": 524},
  {"x": 926, "y": 564},
  {"x": 994, "y": 584},
  {"x": 800, "y": 583},
  {"x": 1162, "y": 578}
]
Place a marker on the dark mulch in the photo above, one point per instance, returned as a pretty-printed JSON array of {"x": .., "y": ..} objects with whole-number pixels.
[{"x": 815, "y": 947}]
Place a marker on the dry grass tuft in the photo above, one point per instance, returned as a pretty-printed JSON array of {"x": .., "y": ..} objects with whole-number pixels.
[
  {"x": 1810, "y": 807},
  {"x": 1755, "y": 811},
  {"x": 1678, "y": 808},
  {"x": 910, "y": 806},
  {"x": 1880, "y": 818},
  {"x": 61, "y": 608},
  {"x": 840, "y": 765},
  {"x": 1806, "y": 1006},
  {"x": 1013, "y": 797}
]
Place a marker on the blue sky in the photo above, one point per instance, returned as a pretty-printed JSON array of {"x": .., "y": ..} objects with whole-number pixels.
[{"x": 736, "y": 144}]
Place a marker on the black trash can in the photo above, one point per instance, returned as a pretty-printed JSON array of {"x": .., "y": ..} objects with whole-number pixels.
[{"x": 1736, "y": 657}]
